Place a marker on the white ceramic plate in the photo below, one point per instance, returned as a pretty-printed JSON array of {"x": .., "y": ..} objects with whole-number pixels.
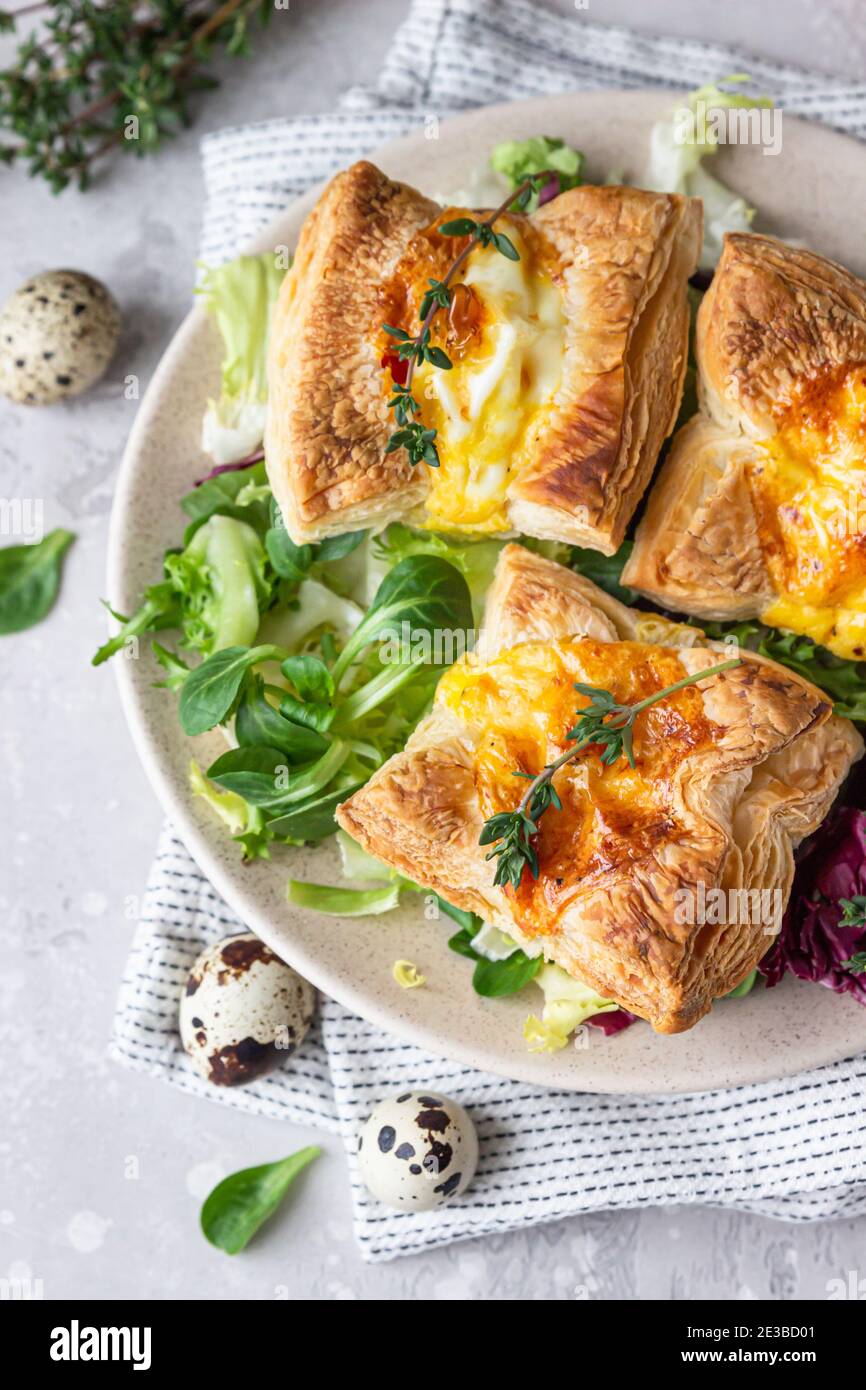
[{"x": 814, "y": 190}]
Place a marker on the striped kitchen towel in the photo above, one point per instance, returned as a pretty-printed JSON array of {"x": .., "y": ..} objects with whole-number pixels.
[{"x": 794, "y": 1149}]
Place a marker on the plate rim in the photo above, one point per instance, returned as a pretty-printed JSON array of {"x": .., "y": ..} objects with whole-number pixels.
[{"x": 179, "y": 810}]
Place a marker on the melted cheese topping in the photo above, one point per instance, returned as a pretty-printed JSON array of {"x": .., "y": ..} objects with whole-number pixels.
[
  {"x": 506, "y": 342},
  {"x": 810, "y": 498},
  {"x": 522, "y": 704}
]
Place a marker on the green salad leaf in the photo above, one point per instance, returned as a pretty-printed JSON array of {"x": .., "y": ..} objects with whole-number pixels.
[
  {"x": 215, "y": 588},
  {"x": 567, "y": 1004},
  {"x": 310, "y": 677},
  {"x": 245, "y": 823},
  {"x": 517, "y": 159},
  {"x": 423, "y": 591},
  {"x": 310, "y": 713},
  {"x": 209, "y": 693},
  {"x": 262, "y": 776},
  {"x": 314, "y": 820},
  {"x": 221, "y": 578},
  {"x": 494, "y": 979},
  {"x": 259, "y": 724},
  {"x": 159, "y": 609},
  {"x": 680, "y": 145},
  {"x": 289, "y": 560},
  {"x": 604, "y": 570},
  {"x": 30, "y": 579},
  {"x": 240, "y": 1204},
  {"x": 250, "y": 772},
  {"x": 343, "y": 902},
  {"x": 292, "y": 561},
  {"x": 234, "y": 494},
  {"x": 240, "y": 296},
  {"x": 175, "y": 669},
  {"x": 475, "y": 559},
  {"x": 338, "y": 547}
]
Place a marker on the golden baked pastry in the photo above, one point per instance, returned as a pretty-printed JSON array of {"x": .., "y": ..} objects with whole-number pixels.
[
  {"x": 730, "y": 775},
  {"x": 568, "y": 364},
  {"x": 760, "y": 508}
]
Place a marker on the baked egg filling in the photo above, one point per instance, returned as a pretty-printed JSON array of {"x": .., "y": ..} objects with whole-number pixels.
[
  {"x": 521, "y": 705},
  {"x": 504, "y": 333},
  {"x": 809, "y": 489}
]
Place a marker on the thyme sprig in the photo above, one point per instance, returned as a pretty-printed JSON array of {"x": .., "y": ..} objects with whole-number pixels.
[
  {"x": 102, "y": 78},
  {"x": 854, "y": 915},
  {"x": 603, "y": 723},
  {"x": 418, "y": 441},
  {"x": 853, "y": 911}
]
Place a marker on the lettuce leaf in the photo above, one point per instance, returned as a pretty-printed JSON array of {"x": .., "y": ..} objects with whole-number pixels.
[
  {"x": 517, "y": 159},
  {"x": 604, "y": 570},
  {"x": 567, "y": 1004},
  {"x": 676, "y": 162},
  {"x": 240, "y": 296},
  {"x": 213, "y": 592},
  {"x": 220, "y": 581},
  {"x": 245, "y": 823},
  {"x": 475, "y": 559},
  {"x": 343, "y": 902}
]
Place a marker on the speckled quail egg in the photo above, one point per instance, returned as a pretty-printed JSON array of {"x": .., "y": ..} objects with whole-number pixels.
[
  {"x": 417, "y": 1150},
  {"x": 242, "y": 1011},
  {"x": 58, "y": 333}
]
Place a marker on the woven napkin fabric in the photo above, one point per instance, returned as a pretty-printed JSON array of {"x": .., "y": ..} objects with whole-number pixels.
[{"x": 794, "y": 1149}]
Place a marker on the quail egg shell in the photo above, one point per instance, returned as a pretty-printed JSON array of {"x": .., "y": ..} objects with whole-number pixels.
[
  {"x": 58, "y": 334},
  {"x": 417, "y": 1150},
  {"x": 242, "y": 1011}
]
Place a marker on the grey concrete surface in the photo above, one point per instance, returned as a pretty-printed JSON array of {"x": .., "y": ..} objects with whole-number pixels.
[{"x": 101, "y": 1171}]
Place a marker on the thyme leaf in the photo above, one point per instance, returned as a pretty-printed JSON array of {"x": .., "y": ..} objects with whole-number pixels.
[
  {"x": 603, "y": 724},
  {"x": 419, "y": 443}
]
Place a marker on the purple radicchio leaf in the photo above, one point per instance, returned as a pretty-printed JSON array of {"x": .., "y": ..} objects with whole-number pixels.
[
  {"x": 612, "y": 1022},
  {"x": 812, "y": 944},
  {"x": 549, "y": 190},
  {"x": 236, "y": 467}
]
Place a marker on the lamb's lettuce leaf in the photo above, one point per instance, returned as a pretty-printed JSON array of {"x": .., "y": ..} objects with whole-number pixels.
[{"x": 475, "y": 559}]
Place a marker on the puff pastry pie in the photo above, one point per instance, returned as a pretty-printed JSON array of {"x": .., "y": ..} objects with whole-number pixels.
[
  {"x": 760, "y": 508},
  {"x": 568, "y": 364},
  {"x": 730, "y": 776}
]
